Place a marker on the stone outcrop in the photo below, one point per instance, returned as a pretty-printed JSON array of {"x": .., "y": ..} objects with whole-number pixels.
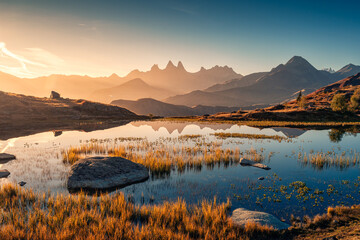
[
  {"x": 241, "y": 216},
  {"x": 4, "y": 173},
  {"x": 4, "y": 157},
  {"x": 54, "y": 95},
  {"x": 102, "y": 173}
]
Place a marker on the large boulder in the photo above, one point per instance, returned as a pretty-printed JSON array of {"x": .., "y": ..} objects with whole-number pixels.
[
  {"x": 241, "y": 216},
  {"x": 104, "y": 173},
  {"x": 4, "y": 173},
  {"x": 54, "y": 95},
  {"x": 247, "y": 162},
  {"x": 4, "y": 157}
]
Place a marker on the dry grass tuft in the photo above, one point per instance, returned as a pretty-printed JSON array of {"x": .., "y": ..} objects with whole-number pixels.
[{"x": 29, "y": 215}]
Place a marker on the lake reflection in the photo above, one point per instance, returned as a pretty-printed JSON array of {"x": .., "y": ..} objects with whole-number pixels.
[{"x": 39, "y": 163}]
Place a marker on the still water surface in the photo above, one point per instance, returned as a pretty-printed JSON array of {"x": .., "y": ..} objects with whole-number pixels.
[{"x": 39, "y": 163}]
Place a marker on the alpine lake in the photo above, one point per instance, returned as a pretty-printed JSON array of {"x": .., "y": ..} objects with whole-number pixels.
[{"x": 310, "y": 169}]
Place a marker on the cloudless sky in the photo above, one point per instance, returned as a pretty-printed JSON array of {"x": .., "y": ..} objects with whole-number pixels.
[{"x": 102, "y": 37}]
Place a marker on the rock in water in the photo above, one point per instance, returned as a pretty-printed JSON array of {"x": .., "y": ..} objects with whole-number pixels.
[
  {"x": 102, "y": 173},
  {"x": 22, "y": 183},
  {"x": 4, "y": 173},
  {"x": 247, "y": 162},
  {"x": 4, "y": 157},
  {"x": 241, "y": 216}
]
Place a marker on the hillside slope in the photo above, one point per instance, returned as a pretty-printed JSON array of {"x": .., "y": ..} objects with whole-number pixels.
[
  {"x": 148, "y": 106},
  {"x": 316, "y": 107},
  {"x": 235, "y": 83},
  {"x": 321, "y": 98},
  {"x": 18, "y": 109}
]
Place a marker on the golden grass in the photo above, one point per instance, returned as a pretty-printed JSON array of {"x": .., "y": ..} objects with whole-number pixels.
[
  {"x": 321, "y": 160},
  {"x": 249, "y": 136},
  {"x": 29, "y": 215},
  {"x": 161, "y": 158},
  {"x": 334, "y": 216},
  {"x": 267, "y": 123}
]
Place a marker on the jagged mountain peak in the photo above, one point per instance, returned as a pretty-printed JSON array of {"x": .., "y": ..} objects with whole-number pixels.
[
  {"x": 155, "y": 67},
  {"x": 170, "y": 65},
  {"x": 296, "y": 63},
  {"x": 180, "y": 66}
]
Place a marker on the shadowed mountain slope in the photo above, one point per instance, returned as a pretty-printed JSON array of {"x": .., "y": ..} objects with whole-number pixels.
[
  {"x": 347, "y": 71},
  {"x": 235, "y": 83},
  {"x": 151, "y": 106}
]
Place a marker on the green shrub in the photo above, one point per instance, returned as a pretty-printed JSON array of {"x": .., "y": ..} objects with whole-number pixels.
[
  {"x": 355, "y": 101},
  {"x": 302, "y": 102},
  {"x": 338, "y": 103}
]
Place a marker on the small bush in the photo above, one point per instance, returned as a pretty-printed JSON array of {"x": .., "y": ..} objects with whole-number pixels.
[
  {"x": 338, "y": 103},
  {"x": 302, "y": 102},
  {"x": 355, "y": 101}
]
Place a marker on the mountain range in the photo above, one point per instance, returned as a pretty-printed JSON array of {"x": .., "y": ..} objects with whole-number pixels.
[
  {"x": 209, "y": 88},
  {"x": 179, "y": 80},
  {"x": 281, "y": 83},
  {"x": 156, "y": 83}
]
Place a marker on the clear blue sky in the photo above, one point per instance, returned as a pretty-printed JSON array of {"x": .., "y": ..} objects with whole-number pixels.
[{"x": 101, "y": 37}]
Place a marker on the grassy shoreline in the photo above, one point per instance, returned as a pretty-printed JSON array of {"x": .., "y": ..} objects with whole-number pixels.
[
  {"x": 300, "y": 124},
  {"x": 223, "y": 135},
  {"x": 29, "y": 215}
]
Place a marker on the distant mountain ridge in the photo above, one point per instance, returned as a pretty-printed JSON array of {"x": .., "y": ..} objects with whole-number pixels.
[
  {"x": 177, "y": 77},
  {"x": 222, "y": 86},
  {"x": 148, "y": 106},
  {"x": 346, "y": 71},
  {"x": 278, "y": 85},
  {"x": 173, "y": 79}
]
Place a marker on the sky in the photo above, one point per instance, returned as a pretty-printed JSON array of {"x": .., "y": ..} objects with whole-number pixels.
[{"x": 98, "y": 38}]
